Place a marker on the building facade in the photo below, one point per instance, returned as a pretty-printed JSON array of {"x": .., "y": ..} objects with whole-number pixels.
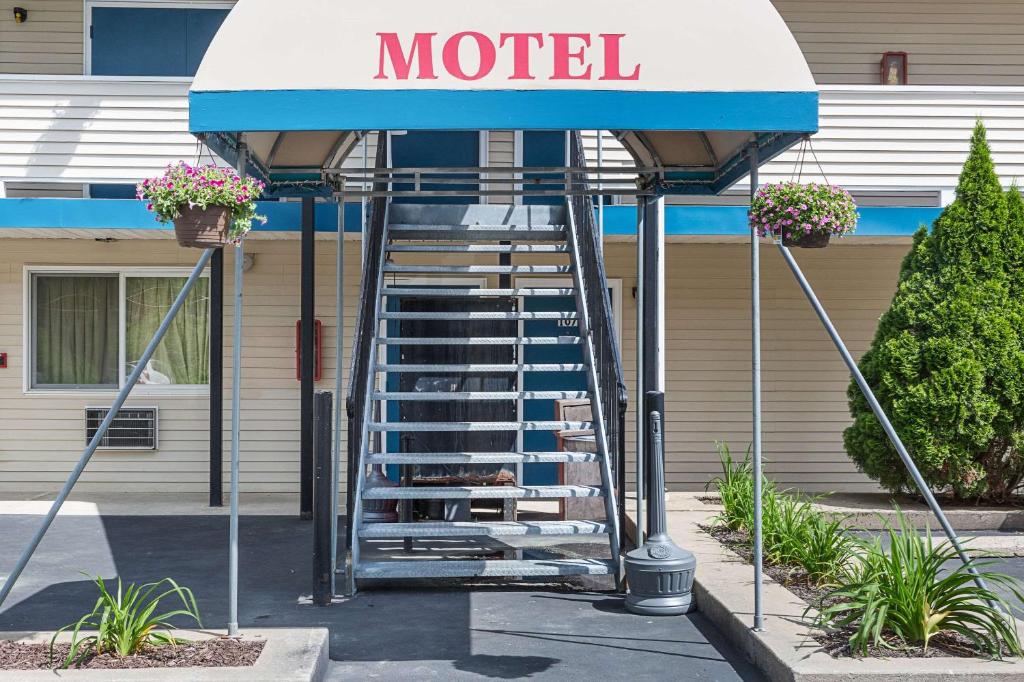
[{"x": 93, "y": 98}]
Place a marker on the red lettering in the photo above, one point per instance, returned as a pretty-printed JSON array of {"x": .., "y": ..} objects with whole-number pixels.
[
  {"x": 612, "y": 59},
  {"x": 422, "y": 51},
  {"x": 563, "y": 55},
  {"x": 521, "y": 53},
  {"x": 452, "y": 63}
]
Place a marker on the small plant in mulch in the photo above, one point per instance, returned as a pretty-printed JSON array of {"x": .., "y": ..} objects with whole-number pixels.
[
  {"x": 126, "y": 621},
  {"x": 910, "y": 596}
]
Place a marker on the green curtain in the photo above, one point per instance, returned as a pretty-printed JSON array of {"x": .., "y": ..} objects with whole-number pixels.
[
  {"x": 184, "y": 354},
  {"x": 76, "y": 330}
]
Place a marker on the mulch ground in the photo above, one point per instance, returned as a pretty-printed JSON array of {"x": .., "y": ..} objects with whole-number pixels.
[
  {"x": 836, "y": 642},
  {"x": 213, "y": 653}
]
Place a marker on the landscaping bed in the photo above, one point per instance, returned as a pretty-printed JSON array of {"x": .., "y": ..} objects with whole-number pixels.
[
  {"x": 212, "y": 653},
  {"x": 837, "y": 643}
]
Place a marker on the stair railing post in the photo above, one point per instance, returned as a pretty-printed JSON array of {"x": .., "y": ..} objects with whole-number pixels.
[
  {"x": 339, "y": 353},
  {"x": 597, "y": 409},
  {"x": 104, "y": 426}
]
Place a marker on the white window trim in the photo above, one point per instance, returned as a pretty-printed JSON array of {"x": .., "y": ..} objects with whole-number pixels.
[
  {"x": 122, "y": 272},
  {"x": 168, "y": 4}
]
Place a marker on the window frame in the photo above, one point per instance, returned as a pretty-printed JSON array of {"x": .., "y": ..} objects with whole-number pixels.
[
  {"x": 162, "y": 4},
  {"x": 122, "y": 273}
]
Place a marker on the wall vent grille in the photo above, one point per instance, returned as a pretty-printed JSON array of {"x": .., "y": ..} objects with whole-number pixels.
[{"x": 134, "y": 428}]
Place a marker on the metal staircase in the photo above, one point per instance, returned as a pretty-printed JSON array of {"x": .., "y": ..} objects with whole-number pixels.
[{"x": 432, "y": 244}]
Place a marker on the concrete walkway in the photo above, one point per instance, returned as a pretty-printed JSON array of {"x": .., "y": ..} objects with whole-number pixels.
[{"x": 434, "y": 631}]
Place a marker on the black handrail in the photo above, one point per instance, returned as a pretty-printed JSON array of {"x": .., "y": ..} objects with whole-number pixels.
[
  {"x": 611, "y": 387},
  {"x": 365, "y": 331}
]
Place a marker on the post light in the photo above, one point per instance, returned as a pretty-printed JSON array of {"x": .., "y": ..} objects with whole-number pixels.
[{"x": 20, "y": 15}]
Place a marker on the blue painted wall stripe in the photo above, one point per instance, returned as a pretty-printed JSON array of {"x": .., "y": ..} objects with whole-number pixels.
[
  {"x": 129, "y": 214},
  {"x": 274, "y": 110}
]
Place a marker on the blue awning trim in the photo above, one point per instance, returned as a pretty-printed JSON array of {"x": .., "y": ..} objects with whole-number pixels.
[
  {"x": 125, "y": 214},
  {"x": 283, "y": 110}
]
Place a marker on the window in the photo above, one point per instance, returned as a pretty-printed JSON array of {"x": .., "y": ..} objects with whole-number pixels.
[
  {"x": 87, "y": 330},
  {"x": 150, "y": 38}
]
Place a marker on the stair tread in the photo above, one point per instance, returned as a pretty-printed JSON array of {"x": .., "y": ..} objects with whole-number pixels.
[
  {"x": 482, "y": 341},
  {"x": 481, "y": 492},
  {"x": 478, "y": 248},
  {"x": 469, "y": 568},
  {"x": 468, "y": 316},
  {"x": 479, "y": 457},
  {"x": 481, "y": 528},
  {"x": 475, "y": 293},
  {"x": 482, "y": 426},
  {"x": 478, "y": 269},
  {"x": 457, "y": 369},
  {"x": 480, "y": 395}
]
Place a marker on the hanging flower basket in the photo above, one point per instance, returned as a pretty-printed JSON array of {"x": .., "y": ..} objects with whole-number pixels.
[
  {"x": 210, "y": 206},
  {"x": 803, "y": 215}
]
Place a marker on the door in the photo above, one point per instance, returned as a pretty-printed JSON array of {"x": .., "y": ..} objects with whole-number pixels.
[
  {"x": 150, "y": 41},
  {"x": 437, "y": 149},
  {"x": 544, "y": 149}
]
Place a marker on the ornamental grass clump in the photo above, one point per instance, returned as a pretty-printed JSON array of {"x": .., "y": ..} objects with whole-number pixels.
[
  {"x": 125, "y": 622},
  {"x": 794, "y": 532},
  {"x": 907, "y": 593},
  {"x": 185, "y": 191},
  {"x": 803, "y": 214}
]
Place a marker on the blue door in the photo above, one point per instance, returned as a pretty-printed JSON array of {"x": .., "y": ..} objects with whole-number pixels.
[
  {"x": 544, "y": 149},
  {"x": 437, "y": 149},
  {"x": 151, "y": 41}
]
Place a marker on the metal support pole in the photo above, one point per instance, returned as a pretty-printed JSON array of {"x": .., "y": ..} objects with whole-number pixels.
[
  {"x": 101, "y": 432},
  {"x": 236, "y": 430},
  {"x": 653, "y": 314},
  {"x": 307, "y": 358},
  {"x": 641, "y": 425},
  {"x": 339, "y": 353},
  {"x": 883, "y": 419},
  {"x": 755, "y": 396},
  {"x": 217, "y": 379},
  {"x": 322, "y": 505}
]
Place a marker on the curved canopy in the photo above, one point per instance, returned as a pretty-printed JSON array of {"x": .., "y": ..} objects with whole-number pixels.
[{"x": 684, "y": 84}]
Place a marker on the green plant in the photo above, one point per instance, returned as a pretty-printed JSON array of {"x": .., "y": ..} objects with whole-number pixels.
[
  {"x": 907, "y": 592},
  {"x": 735, "y": 487},
  {"x": 125, "y": 622},
  {"x": 203, "y": 186},
  {"x": 793, "y": 209},
  {"x": 947, "y": 360},
  {"x": 826, "y": 550}
]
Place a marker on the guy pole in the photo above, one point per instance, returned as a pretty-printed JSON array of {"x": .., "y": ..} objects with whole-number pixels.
[
  {"x": 883, "y": 419},
  {"x": 101, "y": 432},
  {"x": 755, "y": 395}
]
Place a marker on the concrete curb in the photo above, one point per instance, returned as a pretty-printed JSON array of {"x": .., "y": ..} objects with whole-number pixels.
[
  {"x": 290, "y": 655},
  {"x": 785, "y": 651}
]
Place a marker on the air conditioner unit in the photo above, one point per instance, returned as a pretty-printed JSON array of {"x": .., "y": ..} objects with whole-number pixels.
[{"x": 133, "y": 428}]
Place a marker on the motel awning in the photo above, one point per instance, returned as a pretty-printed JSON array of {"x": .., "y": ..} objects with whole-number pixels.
[{"x": 684, "y": 85}]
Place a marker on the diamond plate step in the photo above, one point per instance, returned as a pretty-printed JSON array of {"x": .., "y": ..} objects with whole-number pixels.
[
  {"x": 478, "y": 248},
  {"x": 481, "y": 395},
  {"x": 481, "y": 426},
  {"x": 482, "y": 341},
  {"x": 484, "y": 568},
  {"x": 474, "y": 293},
  {"x": 468, "y": 316},
  {"x": 482, "y": 492},
  {"x": 477, "y": 269},
  {"x": 496, "y": 529},
  {"x": 477, "y": 232},
  {"x": 466, "y": 369},
  {"x": 480, "y": 457}
]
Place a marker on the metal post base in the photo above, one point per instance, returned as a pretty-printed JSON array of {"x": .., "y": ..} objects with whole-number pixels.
[{"x": 660, "y": 606}]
